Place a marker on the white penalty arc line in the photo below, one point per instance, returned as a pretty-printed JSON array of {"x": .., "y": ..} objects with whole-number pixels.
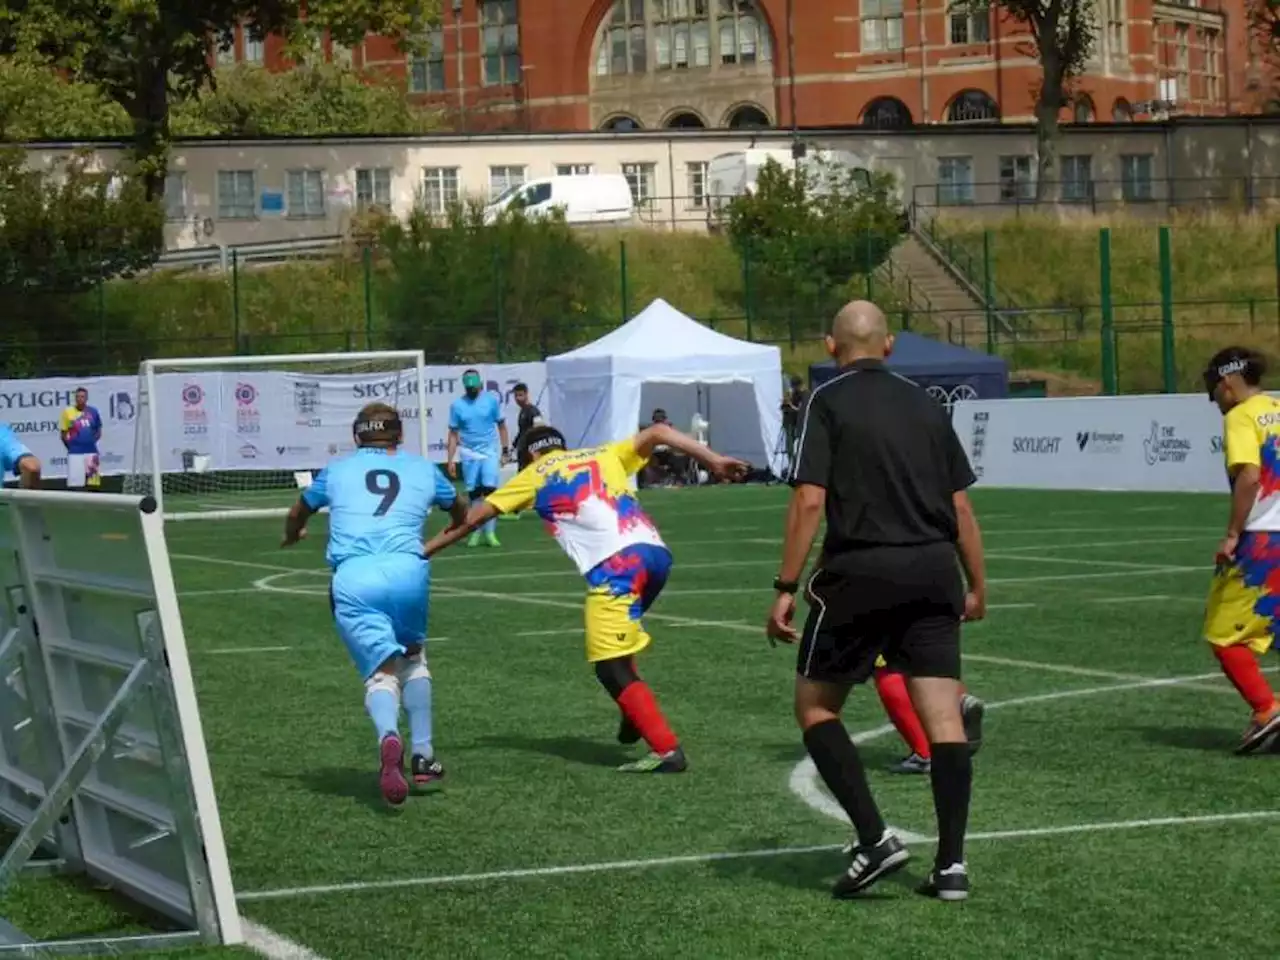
[
  {"x": 366, "y": 886},
  {"x": 270, "y": 944},
  {"x": 803, "y": 781}
]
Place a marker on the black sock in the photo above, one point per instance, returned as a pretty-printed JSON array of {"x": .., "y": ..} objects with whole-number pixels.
[
  {"x": 841, "y": 770},
  {"x": 951, "y": 775}
]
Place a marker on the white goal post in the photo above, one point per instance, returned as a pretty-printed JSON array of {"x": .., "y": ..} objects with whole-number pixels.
[
  {"x": 236, "y": 437},
  {"x": 103, "y": 768}
]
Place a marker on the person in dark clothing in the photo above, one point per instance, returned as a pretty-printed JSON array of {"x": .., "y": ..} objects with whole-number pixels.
[
  {"x": 878, "y": 456},
  {"x": 792, "y": 407},
  {"x": 530, "y": 416}
]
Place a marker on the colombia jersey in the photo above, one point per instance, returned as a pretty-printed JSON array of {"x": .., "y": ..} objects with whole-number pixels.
[
  {"x": 585, "y": 501},
  {"x": 1252, "y": 438}
]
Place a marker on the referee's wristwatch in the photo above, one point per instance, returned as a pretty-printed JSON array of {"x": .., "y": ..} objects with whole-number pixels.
[{"x": 786, "y": 586}]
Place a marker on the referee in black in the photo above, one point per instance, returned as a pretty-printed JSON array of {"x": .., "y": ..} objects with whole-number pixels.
[{"x": 879, "y": 456}]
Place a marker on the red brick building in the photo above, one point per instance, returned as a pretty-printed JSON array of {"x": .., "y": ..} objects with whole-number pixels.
[{"x": 619, "y": 64}]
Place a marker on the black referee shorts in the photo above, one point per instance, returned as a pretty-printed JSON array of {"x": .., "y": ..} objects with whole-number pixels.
[{"x": 904, "y": 603}]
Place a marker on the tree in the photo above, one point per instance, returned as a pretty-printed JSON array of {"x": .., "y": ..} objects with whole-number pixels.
[
  {"x": 311, "y": 100},
  {"x": 465, "y": 285},
  {"x": 805, "y": 233},
  {"x": 144, "y": 54},
  {"x": 63, "y": 232},
  {"x": 1264, "y": 22},
  {"x": 1063, "y": 33},
  {"x": 36, "y": 104}
]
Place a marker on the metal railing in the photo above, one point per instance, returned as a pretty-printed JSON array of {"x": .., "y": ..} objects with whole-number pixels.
[{"x": 222, "y": 256}]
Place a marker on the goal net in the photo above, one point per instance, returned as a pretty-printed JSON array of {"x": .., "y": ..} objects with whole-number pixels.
[{"x": 237, "y": 437}]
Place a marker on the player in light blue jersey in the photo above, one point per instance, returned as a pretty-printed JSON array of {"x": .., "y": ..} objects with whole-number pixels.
[
  {"x": 15, "y": 458},
  {"x": 478, "y": 431},
  {"x": 378, "y": 499}
]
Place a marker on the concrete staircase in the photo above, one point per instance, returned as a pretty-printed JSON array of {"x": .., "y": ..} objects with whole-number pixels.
[{"x": 929, "y": 285}]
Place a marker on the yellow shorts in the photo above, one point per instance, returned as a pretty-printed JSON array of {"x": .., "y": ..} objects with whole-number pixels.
[
  {"x": 620, "y": 590},
  {"x": 1244, "y": 601}
]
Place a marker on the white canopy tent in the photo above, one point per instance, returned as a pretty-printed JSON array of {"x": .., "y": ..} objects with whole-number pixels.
[{"x": 661, "y": 358}]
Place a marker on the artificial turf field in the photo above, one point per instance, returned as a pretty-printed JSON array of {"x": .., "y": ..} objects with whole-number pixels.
[{"x": 1110, "y": 818}]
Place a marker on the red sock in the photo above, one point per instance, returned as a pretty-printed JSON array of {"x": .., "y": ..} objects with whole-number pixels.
[
  {"x": 892, "y": 688},
  {"x": 1241, "y": 668},
  {"x": 639, "y": 706}
]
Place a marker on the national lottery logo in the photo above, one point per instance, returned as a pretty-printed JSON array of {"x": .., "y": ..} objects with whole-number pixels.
[
  {"x": 192, "y": 395},
  {"x": 246, "y": 394}
]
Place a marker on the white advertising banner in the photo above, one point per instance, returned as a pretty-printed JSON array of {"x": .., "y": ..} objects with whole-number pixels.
[
  {"x": 1156, "y": 443},
  {"x": 250, "y": 419}
]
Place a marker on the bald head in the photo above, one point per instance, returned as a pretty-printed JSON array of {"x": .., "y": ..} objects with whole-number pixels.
[{"x": 859, "y": 330}]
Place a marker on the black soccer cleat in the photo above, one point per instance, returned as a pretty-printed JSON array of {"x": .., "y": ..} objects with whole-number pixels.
[
  {"x": 425, "y": 770},
  {"x": 912, "y": 765},
  {"x": 673, "y": 762},
  {"x": 870, "y": 864},
  {"x": 627, "y": 733},
  {"x": 947, "y": 883},
  {"x": 972, "y": 711},
  {"x": 1260, "y": 737}
]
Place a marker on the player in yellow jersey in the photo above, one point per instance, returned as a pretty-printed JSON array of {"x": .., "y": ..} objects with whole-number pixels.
[
  {"x": 80, "y": 428},
  {"x": 585, "y": 500},
  {"x": 1243, "y": 610}
]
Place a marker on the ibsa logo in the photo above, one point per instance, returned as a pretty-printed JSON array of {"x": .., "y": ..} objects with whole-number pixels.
[
  {"x": 246, "y": 394},
  {"x": 192, "y": 395},
  {"x": 247, "y": 419},
  {"x": 1036, "y": 445}
]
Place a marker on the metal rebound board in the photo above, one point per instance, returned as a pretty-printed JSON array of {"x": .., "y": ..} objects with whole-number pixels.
[{"x": 103, "y": 769}]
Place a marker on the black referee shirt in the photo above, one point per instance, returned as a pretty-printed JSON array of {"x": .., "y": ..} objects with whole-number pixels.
[
  {"x": 524, "y": 419},
  {"x": 887, "y": 456}
]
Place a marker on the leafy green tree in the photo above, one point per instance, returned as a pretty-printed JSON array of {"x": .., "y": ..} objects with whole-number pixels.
[
  {"x": 37, "y": 104},
  {"x": 1264, "y": 22},
  {"x": 805, "y": 234},
  {"x": 62, "y": 233},
  {"x": 462, "y": 288},
  {"x": 311, "y": 100},
  {"x": 145, "y": 54}
]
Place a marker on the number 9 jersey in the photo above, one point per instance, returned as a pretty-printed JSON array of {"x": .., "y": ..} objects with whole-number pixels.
[{"x": 378, "y": 502}]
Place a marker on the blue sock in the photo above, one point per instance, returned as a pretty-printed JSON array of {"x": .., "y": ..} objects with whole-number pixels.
[
  {"x": 384, "y": 711},
  {"x": 491, "y": 527},
  {"x": 417, "y": 703}
]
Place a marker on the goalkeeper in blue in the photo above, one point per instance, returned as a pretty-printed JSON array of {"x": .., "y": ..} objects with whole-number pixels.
[{"x": 379, "y": 497}]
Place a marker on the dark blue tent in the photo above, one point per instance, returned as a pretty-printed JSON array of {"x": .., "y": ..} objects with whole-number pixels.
[{"x": 948, "y": 372}]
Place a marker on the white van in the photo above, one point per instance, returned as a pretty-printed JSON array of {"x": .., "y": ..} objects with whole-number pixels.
[
  {"x": 589, "y": 198},
  {"x": 734, "y": 174}
]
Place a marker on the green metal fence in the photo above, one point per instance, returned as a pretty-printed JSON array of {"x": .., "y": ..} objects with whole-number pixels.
[{"x": 1128, "y": 307}]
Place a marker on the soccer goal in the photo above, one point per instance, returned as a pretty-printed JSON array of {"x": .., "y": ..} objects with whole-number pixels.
[
  {"x": 103, "y": 770},
  {"x": 236, "y": 437}
]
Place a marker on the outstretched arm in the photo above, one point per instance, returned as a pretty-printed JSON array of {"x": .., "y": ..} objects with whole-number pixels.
[
  {"x": 665, "y": 435},
  {"x": 464, "y": 521},
  {"x": 295, "y": 524},
  {"x": 29, "y": 472}
]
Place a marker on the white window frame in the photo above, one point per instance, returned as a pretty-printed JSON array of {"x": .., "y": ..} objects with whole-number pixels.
[
  {"x": 641, "y": 178},
  {"x": 426, "y": 70},
  {"x": 975, "y": 24},
  {"x": 255, "y": 51},
  {"x": 881, "y": 26},
  {"x": 235, "y": 209},
  {"x": 439, "y": 189},
  {"x": 1134, "y": 188},
  {"x": 175, "y": 207},
  {"x": 500, "y": 61},
  {"x": 575, "y": 169},
  {"x": 1017, "y": 178},
  {"x": 1117, "y": 27},
  {"x": 954, "y": 192},
  {"x": 373, "y": 188},
  {"x": 504, "y": 176},
  {"x": 1075, "y": 173},
  {"x": 696, "y": 180},
  {"x": 313, "y": 205}
]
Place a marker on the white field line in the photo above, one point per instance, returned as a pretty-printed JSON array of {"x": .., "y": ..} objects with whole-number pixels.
[
  {"x": 1097, "y": 544},
  {"x": 237, "y": 651},
  {"x": 364, "y": 886},
  {"x": 803, "y": 781},
  {"x": 1145, "y": 569},
  {"x": 1069, "y": 561},
  {"x": 270, "y": 944}
]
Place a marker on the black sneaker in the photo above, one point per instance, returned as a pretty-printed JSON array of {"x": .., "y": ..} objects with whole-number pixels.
[
  {"x": 425, "y": 770},
  {"x": 971, "y": 712},
  {"x": 1260, "y": 736},
  {"x": 947, "y": 883},
  {"x": 627, "y": 733},
  {"x": 869, "y": 864},
  {"x": 911, "y": 764}
]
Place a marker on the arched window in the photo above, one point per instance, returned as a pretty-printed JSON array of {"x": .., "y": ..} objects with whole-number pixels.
[
  {"x": 1082, "y": 110},
  {"x": 684, "y": 120},
  {"x": 621, "y": 124},
  {"x": 639, "y": 36},
  {"x": 1121, "y": 112},
  {"x": 972, "y": 105},
  {"x": 886, "y": 113},
  {"x": 748, "y": 117}
]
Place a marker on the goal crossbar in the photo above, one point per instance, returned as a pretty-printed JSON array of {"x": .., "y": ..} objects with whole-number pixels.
[{"x": 151, "y": 369}]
